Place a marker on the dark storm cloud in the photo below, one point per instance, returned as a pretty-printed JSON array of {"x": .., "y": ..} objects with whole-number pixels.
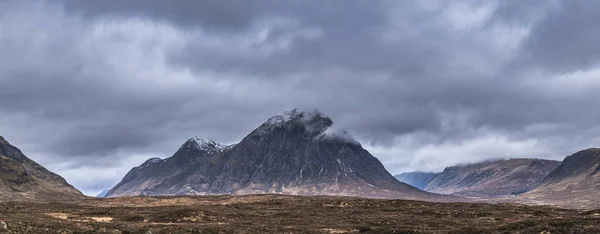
[
  {"x": 227, "y": 14},
  {"x": 97, "y": 86},
  {"x": 349, "y": 27},
  {"x": 218, "y": 14},
  {"x": 567, "y": 40}
]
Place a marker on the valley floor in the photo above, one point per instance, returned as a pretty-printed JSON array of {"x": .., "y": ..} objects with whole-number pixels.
[{"x": 289, "y": 214}]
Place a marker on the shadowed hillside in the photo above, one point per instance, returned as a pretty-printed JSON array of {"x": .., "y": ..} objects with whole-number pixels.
[{"x": 23, "y": 179}]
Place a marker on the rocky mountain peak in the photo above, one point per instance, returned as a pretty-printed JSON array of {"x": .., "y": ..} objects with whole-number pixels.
[
  {"x": 300, "y": 116},
  {"x": 310, "y": 123},
  {"x": 307, "y": 125},
  {"x": 202, "y": 144}
]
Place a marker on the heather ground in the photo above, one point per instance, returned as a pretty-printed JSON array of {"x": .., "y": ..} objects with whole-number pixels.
[{"x": 288, "y": 214}]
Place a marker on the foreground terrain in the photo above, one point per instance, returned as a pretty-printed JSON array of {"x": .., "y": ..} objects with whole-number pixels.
[{"x": 272, "y": 213}]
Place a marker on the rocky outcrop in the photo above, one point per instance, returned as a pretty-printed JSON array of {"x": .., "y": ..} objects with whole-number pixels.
[
  {"x": 491, "y": 179},
  {"x": 294, "y": 153},
  {"x": 23, "y": 179}
]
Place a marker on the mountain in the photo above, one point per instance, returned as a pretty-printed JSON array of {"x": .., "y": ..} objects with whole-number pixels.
[
  {"x": 492, "y": 178},
  {"x": 102, "y": 194},
  {"x": 145, "y": 179},
  {"x": 574, "y": 183},
  {"x": 417, "y": 179},
  {"x": 297, "y": 153},
  {"x": 23, "y": 179}
]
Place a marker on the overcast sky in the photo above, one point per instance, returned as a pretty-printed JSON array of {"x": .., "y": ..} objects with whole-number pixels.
[{"x": 90, "y": 89}]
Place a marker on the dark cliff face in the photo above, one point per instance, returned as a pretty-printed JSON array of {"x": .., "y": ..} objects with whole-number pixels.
[
  {"x": 417, "y": 179},
  {"x": 294, "y": 153},
  {"x": 492, "y": 179},
  {"x": 23, "y": 179}
]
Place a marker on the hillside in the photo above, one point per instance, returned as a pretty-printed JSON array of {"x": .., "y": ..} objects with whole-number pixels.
[
  {"x": 575, "y": 183},
  {"x": 23, "y": 179},
  {"x": 490, "y": 179}
]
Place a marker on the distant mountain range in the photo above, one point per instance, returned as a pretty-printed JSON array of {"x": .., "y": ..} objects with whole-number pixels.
[
  {"x": 495, "y": 178},
  {"x": 295, "y": 153},
  {"x": 573, "y": 183},
  {"x": 102, "y": 194},
  {"x": 416, "y": 178},
  {"x": 23, "y": 179}
]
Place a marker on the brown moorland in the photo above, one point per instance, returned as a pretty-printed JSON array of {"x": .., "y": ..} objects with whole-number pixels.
[{"x": 287, "y": 214}]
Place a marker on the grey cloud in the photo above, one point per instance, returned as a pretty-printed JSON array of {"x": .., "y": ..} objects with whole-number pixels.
[
  {"x": 216, "y": 14},
  {"x": 105, "y": 81},
  {"x": 566, "y": 40},
  {"x": 86, "y": 106},
  {"x": 227, "y": 15}
]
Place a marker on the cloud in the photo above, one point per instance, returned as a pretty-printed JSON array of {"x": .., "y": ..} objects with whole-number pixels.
[
  {"x": 216, "y": 14},
  {"x": 422, "y": 84},
  {"x": 563, "y": 41}
]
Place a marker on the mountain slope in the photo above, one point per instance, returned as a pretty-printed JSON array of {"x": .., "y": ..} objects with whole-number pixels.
[
  {"x": 102, "y": 194},
  {"x": 417, "y": 179},
  {"x": 575, "y": 183},
  {"x": 23, "y": 179},
  {"x": 493, "y": 178},
  {"x": 293, "y": 153},
  {"x": 143, "y": 179}
]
